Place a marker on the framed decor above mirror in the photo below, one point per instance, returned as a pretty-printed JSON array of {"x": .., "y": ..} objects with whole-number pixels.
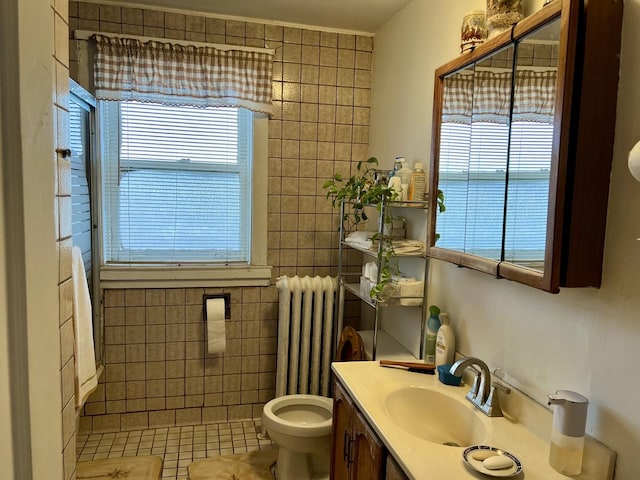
[{"x": 522, "y": 146}]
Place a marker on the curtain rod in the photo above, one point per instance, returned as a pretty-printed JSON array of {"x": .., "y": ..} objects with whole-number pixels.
[{"x": 86, "y": 35}]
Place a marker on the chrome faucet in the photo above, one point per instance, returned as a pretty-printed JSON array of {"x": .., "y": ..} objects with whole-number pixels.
[{"x": 483, "y": 393}]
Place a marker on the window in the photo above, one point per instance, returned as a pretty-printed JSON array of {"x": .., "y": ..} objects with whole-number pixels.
[{"x": 177, "y": 186}]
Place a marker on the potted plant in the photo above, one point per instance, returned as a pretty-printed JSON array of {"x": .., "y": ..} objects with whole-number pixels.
[{"x": 362, "y": 190}]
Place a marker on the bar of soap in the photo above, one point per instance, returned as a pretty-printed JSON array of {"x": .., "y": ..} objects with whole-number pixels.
[
  {"x": 499, "y": 462},
  {"x": 481, "y": 455}
]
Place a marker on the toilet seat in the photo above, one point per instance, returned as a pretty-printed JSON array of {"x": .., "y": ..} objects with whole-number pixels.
[{"x": 350, "y": 346}]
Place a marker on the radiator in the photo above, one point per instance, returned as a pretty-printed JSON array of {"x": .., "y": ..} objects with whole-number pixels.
[{"x": 305, "y": 330}]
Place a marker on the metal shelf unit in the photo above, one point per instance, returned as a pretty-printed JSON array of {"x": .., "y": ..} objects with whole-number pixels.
[{"x": 346, "y": 283}]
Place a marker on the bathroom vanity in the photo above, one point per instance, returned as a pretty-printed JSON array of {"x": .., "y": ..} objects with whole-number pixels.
[
  {"x": 356, "y": 451},
  {"x": 392, "y": 424}
]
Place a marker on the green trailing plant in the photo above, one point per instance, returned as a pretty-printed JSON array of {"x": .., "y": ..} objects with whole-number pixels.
[
  {"x": 361, "y": 190},
  {"x": 440, "y": 201}
]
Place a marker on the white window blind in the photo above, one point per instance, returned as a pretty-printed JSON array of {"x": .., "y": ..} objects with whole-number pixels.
[
  {"x": 176, "y": 184},
  {"x": 474, "y": 189},
  {"x": 528, "y": 192}
]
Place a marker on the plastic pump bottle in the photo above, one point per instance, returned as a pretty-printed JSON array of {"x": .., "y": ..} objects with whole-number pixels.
[
  {"x": 395, "y": 181},
  {"x": 567, "y": 435},
  {"x": 433, "y": 324},
  {"x": 445, "y": 342}
]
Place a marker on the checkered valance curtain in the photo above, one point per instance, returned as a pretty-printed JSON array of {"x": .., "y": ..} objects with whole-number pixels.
[
  {"x": 486, "y": 97},
  {"x": 457, "y": 100},
  {"x": 152, "y": 71},
  {"x": 535, "y": 96}
]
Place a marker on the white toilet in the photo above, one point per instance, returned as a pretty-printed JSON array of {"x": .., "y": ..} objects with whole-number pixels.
[{"x": 300, "y": 425}]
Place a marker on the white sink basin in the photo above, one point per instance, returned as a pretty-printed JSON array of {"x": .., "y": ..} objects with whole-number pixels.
[{"x": 435, "y": 417}]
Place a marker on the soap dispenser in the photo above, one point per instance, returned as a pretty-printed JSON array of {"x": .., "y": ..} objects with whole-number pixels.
[{"x": 567, "y": 435}]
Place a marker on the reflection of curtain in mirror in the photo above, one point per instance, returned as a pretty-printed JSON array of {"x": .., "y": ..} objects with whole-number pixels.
[
  {"x": 529, "y": 167},
  {"x": 457, "y": 97},
  {"x": 472, "y": 161}
]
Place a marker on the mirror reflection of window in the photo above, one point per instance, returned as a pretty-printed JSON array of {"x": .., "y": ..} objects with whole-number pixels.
[
  {"x": 473, "y": 154},
  {"x": 531, "y": 147},
  {"x": 454, "y": 152}
]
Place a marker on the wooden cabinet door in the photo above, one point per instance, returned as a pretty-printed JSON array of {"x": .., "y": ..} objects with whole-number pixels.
[
  {"x": 394, "y": 472},
  {"x": 340, "y": 444},
  {"x": 367, "y": 453}
]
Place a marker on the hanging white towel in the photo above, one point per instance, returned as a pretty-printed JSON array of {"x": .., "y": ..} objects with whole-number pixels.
[
  {"x": 86, "y": 377},
  {"x": 216, "y": 334}
]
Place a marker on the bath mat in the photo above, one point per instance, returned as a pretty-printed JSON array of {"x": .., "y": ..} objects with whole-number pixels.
[
  {"x": 244, "y": 466},
  {"x": 123, "y": 468}
]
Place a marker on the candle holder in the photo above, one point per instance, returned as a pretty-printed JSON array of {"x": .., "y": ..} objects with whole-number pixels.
[{"x": 473, "y": 31}]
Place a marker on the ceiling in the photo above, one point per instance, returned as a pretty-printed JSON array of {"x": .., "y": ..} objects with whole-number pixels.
[{"x": 358, "y": 15}]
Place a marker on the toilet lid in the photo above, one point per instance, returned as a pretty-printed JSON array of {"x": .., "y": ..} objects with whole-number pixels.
[{"x": 350, "y": 347}]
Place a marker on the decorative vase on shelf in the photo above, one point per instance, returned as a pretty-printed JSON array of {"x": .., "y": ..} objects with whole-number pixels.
[
  {"x": 473, "y": 32},
  {"x": 502, "y": 14}
]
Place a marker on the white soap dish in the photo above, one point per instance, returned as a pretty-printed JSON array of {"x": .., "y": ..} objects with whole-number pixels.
[{"x": 475, "y": 455}]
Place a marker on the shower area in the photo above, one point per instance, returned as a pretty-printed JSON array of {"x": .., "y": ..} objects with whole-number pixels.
[{"x": 82, "y": 135}]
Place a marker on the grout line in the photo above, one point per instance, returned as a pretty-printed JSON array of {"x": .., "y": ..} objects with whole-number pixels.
[{"x": 178, "y": 446}]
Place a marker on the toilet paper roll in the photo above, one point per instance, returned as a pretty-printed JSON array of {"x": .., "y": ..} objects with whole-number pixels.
[{"x": 216, "y": 334}]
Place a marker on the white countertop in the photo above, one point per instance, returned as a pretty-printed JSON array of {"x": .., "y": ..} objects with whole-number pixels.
[{"x": 368, "y": 384}]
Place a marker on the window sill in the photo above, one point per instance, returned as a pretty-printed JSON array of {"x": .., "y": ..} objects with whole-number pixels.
[{"x": 175, "y": 277}]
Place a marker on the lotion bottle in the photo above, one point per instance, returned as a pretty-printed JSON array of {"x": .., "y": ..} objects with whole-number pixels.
[
  {"x": 445, "y": 342},
  {"x": 567, "y": 435},
  {"x": 418, "y": 183}
]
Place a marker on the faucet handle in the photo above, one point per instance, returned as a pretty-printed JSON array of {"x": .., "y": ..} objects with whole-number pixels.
[{"x": 503, "y": 388}]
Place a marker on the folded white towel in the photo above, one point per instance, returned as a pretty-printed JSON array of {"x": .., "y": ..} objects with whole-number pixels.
[
  {"x": 86, "y": 377},
  {"x": 360, "y": 238}
]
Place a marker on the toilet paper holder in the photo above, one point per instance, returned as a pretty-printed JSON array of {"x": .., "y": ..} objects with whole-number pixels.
[{"x": 227, "y": 304}]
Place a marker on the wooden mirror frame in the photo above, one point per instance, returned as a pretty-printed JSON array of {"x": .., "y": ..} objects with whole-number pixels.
[{"x": 582, "y": 144}]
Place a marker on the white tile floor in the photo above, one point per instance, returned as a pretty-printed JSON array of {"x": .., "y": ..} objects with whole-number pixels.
[{"x": 178, "y": 446}]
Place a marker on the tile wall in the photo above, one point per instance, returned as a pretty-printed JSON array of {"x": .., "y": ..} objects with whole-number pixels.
[
  {"x": 157, "y": 372},
  {"x": 64, "y": 243}
]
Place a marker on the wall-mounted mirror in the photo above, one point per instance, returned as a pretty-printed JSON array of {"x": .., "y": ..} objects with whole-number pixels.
[{"x": 508, "y": 151}]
